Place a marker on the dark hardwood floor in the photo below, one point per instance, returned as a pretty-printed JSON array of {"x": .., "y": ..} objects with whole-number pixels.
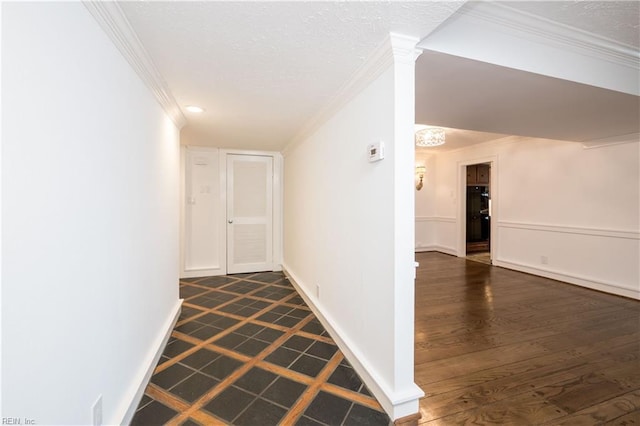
[{"x": 495, "y": 346}]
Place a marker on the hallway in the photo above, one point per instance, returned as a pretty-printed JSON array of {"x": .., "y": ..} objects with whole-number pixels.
[
  {"x": 495, "y": 346},
  {"x": 248, "y": 351}
]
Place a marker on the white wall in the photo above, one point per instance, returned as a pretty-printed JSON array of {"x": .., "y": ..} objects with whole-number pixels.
[
  {"x": 348, "y": 233},
  {"x": 578, "y": 208},
  {"x": 90, "y": 167},
  {"x": 204, "y": 212}
]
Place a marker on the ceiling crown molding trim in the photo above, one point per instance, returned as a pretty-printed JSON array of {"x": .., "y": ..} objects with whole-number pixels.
[
  {"x": 117, "y": 27},
  {"x": 394, "y": 47},
  {"x": 545, "y": 31},
  {"x": 611, "y": 141}
]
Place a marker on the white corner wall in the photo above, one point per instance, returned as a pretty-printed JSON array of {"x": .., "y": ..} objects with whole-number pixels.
[
  {"x": 348, "y": 233},
  {"x": 90, "y": 172},
  {"x": 204, "y": 235},
  {"x": 563, "y": 211}
]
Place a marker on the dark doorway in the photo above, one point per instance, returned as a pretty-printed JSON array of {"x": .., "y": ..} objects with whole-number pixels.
[{"x": 478, "y": 215}]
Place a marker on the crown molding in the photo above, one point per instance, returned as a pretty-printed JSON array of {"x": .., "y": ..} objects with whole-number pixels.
[
  {"x": 117, "y": 27},
  {"x": 614, "y": 140},
  {"x": 545, "y": 31},
  {"x": 395, "y": 47}
]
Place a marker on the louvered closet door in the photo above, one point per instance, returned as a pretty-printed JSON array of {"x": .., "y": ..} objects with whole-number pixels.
[{"x": 249, "y": 213}]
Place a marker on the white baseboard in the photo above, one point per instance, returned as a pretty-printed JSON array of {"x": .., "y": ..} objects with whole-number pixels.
[
  {"x": 397, "y": 403},
  {"x": 133, "y": 397},
  {"x": 434, "y": 247},
  {"x": 571, "y": 279}
]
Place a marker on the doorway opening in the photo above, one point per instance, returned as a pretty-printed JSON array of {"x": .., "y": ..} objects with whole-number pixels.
[{"x": 478, "y": 212}]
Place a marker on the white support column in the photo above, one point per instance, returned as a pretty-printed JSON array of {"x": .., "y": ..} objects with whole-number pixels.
[{"x": 407, "y": 393}]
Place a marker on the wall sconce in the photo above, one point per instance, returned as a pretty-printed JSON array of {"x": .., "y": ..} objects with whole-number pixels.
[{"x": 420, "y": 176}]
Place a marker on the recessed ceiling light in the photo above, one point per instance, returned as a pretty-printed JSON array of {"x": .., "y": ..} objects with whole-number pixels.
[{"x": 194, "y": 108}]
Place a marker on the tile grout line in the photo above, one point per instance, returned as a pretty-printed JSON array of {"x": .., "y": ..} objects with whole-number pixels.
[
  {"x": 307, "y": 397},
  {"x": 217, "y": 336},
  {"x": 220, "y": 387}
]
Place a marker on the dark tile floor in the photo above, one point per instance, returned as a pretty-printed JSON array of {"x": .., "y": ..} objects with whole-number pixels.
[{"x": 247, "y": 350}]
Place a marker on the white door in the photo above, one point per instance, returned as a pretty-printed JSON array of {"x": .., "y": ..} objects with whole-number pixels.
[{"x": 249, "y": 213}]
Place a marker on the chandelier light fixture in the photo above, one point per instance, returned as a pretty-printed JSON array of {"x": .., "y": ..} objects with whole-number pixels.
[{"x": 430, "y": 136}]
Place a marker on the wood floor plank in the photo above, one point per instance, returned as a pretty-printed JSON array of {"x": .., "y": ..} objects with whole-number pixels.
[
  {"x": 499, "y": 346},
  {"x": 627, "y": 405}
]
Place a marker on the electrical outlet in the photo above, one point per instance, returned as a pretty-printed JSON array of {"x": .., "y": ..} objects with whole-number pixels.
[
  {"x": 544, "y": 260},
  {"x": 96, "y": 411}
]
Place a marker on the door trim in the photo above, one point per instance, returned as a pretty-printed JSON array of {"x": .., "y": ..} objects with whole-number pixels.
[
  {"x": 276, "y": 201},
  {"x": 461, "y": 249}
]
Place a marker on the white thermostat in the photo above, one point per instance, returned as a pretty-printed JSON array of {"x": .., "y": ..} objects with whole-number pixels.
[{"x": 376, "y": 152}]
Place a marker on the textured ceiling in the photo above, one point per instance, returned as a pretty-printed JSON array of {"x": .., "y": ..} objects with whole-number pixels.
[{"x": 264, "y": 69}]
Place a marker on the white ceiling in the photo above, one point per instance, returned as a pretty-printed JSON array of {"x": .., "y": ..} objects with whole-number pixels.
[{"x": 262, "y": 70}]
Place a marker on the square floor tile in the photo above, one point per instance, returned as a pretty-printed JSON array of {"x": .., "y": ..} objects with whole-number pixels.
[
  {"x": 268, "y": 335},
  {"x": 287, "y": 321},
  {"x": 230, "y": 341},
  {"x": 297, "y": 300},
  {"x": 268, "y": 277},
  {"x": 313, "y": 327},
  {"x": 209, "y": 319},
  {"x": 187, "y": 291},
  {"x": 231, "y": 402},
  {"x": 363, "y": 390},
  {"x": 282, "y": 356},
  {"x": 171, "y": 376},
  {"x": 206, "y": 332},
  {"x": 176, "y": 348},
  {"x": 308, "y": 365},
  {"x": 187, "y": 312},
  {"x": 255, "y": 380},
  {"x": 155, "y": 413},
  {"x": 307, "y": 421},
  {"x": 190, "y": 422},
  {"x": 243, "y": 287},
  {"x": 322, "y": 350},
  {"x": 298, "y": 343},
  {"x": 260, "y": 304},
  {"x": 251, "y": 347},
  {"x": 222, "y": 367},
  {"x": 365, "y": 416},
  {"x": 328, "y": 408},
  {"x": 284, "y": 391},
  {"x": 200, "y": 358},
  {"x": 231, "y": 308},
  {"x": 189, "y": 327},
  {"x": 345, "y": 377},
  {"x": 225, "y": 322},
  {"x": 249, "y": 329},
  {"x": 194, "y": 387},
  {"x": 216, "y": 281},
  {"x": 299, "y": 313},
  {"x": 247, "y": 311},
  {"x": 261, "y": 412},
  {"x": 282, "y": 310},
  {"x": 269, "y": 317},
  {"x": 204, "y": 302}
]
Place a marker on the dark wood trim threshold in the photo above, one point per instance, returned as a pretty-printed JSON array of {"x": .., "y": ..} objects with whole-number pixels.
[{"x": 411, "y": 420}]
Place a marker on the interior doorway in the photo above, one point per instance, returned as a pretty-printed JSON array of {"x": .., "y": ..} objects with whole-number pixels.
[
  {"x": 249, "y": 213},
  {"x": 478, "y": 212}
]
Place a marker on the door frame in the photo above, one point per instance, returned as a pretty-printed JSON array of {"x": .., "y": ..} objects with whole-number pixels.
[
  {"x": 461, "y": 250},
  {"x": 278, "y": 188}
]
